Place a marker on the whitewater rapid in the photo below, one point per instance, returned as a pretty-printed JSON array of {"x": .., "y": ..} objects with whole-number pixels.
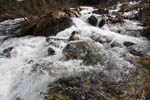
[{"x": 27, "y": 73}]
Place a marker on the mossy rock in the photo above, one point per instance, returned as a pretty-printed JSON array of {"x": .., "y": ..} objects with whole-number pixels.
[
  {"x": 54, "y": 96},
  {"x": 143, "y": 15},
  {"x": 84, "y": 50},
  {"x": 76, "y": 88},
  {"x": 124, "y": 8},
  {"x": 145, "y": 62},
  {"x": 96, "y": 86},
  {"x": 137, "y": 88},
  {"x": 86, "y": 86}
]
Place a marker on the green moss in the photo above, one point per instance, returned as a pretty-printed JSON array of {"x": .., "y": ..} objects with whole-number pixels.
[
  {"x": 146, "y": 82},
  {"x": 137, "y": 87},
  {"x": 53, "y": 96},
  {"x": 145, "y": 62},
  {"x": 124, "y": 8}
]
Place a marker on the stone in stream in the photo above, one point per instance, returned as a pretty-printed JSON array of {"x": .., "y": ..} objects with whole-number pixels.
[
  {"x": 101, "y": 23},
  {"x": 93, "y": 20},
  {"x": 72, "y": 37},
  {"x": 51, "y": 51},
  {"x": 84, "y": 50},
  {"x": 84, "y": 87},
  {"x": 8, "y": 51},
  {"x": 128, "y": 44},
  {"x": 97, "y": 86}
]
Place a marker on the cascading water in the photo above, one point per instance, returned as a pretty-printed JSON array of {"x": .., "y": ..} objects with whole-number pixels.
[{"x": 28, "y": 72}]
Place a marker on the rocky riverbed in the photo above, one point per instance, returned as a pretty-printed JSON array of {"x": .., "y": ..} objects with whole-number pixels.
[{"x": 88, "y": 60}]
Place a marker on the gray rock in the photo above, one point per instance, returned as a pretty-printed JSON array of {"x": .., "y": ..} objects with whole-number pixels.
[
  {"x": 84, "y": 50},
  {"x": 92, "y": 20}
]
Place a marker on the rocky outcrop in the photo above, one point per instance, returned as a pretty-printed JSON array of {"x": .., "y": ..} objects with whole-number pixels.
[
  {"x": 101, "y": 23},
  {"x": 47, "y": 25},
  {"x": 84, "y": 50},
  {"x": 97, "y": 86},
  {"x": 10, "y": 27}
]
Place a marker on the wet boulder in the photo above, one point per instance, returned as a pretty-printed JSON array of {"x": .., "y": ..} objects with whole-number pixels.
[
  {"x": 47, "y": 25},
  {"x": 92, "y": 20},
  {"x": 51, "y": 51},
  {"x": 76, "y": 50},
  {"x": 76, "y": 88},
  {"x": 98, "y": 86},
  {"x": 84, "y": 50},
  {"x": 10, "y": 27},
  {"x": 8, "y": 51},
  {"x": 101, "y": 23},
  {"x": 128, "y": 44},
  {"x": 27, "y": 28}
]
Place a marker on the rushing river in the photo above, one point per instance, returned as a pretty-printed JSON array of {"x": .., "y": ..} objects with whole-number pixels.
[{"x": 23, "y": 78}]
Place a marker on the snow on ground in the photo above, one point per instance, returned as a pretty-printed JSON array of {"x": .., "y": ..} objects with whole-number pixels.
[{"x": 27, "y": 73}]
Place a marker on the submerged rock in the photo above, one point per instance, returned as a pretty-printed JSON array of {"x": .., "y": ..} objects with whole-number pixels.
[
  {"x": 93, "y": 20},
  {"x": 84, "y": 50},
  {"x": 85, "y": 87}
]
